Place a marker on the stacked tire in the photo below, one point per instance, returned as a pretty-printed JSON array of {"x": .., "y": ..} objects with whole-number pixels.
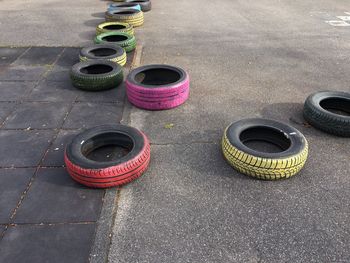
[
  {"x": 107, "y": 27},
  {"x": 117, "y": 172},
  {"x": 157, "y": 87}
]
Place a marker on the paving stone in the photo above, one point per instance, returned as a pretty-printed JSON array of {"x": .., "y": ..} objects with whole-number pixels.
[
  {"x": 37, "y": 115},
  {"x": 53, "y": 91},
  {"x": 69, "y": 57},
  {"x": 55, "y": 155},
  {"x": 5, "y": 109},
  {"x": 20, "y": 72},
  {"x": 9, "y": 55},
  {"x": 15, "y": 90},
  {"x": 65, "y": 200},
  {"x": 86, "y": 115},
  {"x": 39, "y": 56},
  {"x": 113, "y": 95},
  {"x": 48, "y": 243},
  {"x": 2, "y": 228},
  {"x": 12, "y": 184},
  {"x": 58, "y": 74},
  {"x": 23, "y": 148}
]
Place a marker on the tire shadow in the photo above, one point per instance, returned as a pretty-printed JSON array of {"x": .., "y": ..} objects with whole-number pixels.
[
  {"x": 94, "y": 22},
  {"x": 99, "y": 14}
]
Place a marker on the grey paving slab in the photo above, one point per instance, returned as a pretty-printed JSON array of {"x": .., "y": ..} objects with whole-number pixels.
[
  {"x": 53, "y": 91},
  {"x": 55, "y": 155},
  {"x": 20, "y": 72},
  {"x": 39, "y": 56},
  {"x": 191, "y": 206},
  {"x": 48, "y": 243},
  {"x": 9, "y": 55},
  {"x": 116, "y": 95},
  {"x": 23, "y": 148},
  {"x": 5, "y": 109},
  {"x": 37, "y": 115},
  {"x": 15, "y": 90},
  {"x": 13, "y": 182},
  {"x": 86, "y": 115},
  {"x": 65, "y": 200}
]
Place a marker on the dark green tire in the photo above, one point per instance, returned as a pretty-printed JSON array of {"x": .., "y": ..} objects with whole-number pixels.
[{"x": 124, "y": 40}]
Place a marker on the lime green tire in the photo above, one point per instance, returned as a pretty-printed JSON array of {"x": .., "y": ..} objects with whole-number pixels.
[{"x": 124, "y": 40}]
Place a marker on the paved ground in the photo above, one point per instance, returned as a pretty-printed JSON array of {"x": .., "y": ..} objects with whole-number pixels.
[
  {"x": 40, "y": 112},
  {"x": 245, "y": 59}
]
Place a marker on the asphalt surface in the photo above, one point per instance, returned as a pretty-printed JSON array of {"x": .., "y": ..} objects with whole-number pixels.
[{"x": 245, "y": 59}]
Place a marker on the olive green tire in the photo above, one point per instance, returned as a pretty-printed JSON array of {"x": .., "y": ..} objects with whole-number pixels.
[
  {"x": 96, "y": 82},
  {"x": 108, "y": 27},
  {"x": 264, "y": 168},
  {"x": 128, "y": 44}
]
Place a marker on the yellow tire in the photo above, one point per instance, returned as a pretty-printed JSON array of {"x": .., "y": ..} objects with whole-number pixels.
[
  {"x": 114, "y": 26},
  {"x": 130, "y": 16},
  {"x": 109, "y": 52},
  {"x": 259, "y": 164}
]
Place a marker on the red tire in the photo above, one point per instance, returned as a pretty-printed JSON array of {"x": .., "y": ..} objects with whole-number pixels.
[
  {"x": 110, "y": 173},
  {"x": 157, "y": 87}
]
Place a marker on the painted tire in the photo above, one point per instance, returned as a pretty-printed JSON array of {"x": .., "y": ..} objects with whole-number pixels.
[
  {"x": 317, "y": 112},
  {"x": 162, "y": 87},
  {"x": 259, "y": 164},
  {"x": 114, "y": 27},
  {"x": 112, "y": 53},
  {"x": 131, "y": 16},
  {"x": 109, "y": 173},
  {"x": 119, "y": 6},
  {"x": 146, "y": 5},
  {"x": 96, "y": 75},
  {"x": 124, "y": 40}
]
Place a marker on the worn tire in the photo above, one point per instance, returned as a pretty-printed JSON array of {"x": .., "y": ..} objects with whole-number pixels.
[
  {"x": 162, "y": 87},
  {"x": 131, "y": 16},
  {"x": 109, "y": 173},
  {"x": 112, "y": 53},
  {"x": 124, "y": 5},
  {"x": 264, "y": 165},
  {"x": 114, "y": 27},
  {"x": 316, "y": 112},
  {"x": 96, "y": 75},
  {"x": 146, "y": 5},
  {"x": 124, "y": 40}
]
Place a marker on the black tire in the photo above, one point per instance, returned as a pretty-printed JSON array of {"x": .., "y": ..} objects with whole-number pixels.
[
  {"x": 124, "y": 40},
  {"x": 287, "y": 161},
  {"x": 146, "y": 5},
  {"x": 107, "y": 52},
  {"x": 317, "y": 112},
  {"x": 95, "y": 75}
]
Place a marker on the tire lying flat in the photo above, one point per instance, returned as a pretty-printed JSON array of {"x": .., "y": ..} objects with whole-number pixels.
[
  {"x": 114, "y": 27},
  {"x": 131, "y": 16},
  {"x": 146, "y": 5},
  {"x": 112, "y": 53},
  {"x": 317, "y": 112},
  {"x": 96, "y": 75},
  {"x": 157, "y": 87},
  {"x": 124, "y": 40},
  {"x": 109, "y": 173},
  {"x": 260, "y": 164}
]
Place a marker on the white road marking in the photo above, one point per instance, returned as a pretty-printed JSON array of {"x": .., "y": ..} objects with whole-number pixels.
[
  {"x": 344, "y": 18},
  {"x": 337, "y": 23}
]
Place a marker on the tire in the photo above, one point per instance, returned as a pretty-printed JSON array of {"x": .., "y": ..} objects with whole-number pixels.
[
  {"x": 96, "y": 75},
  {"x": 316, "y": 112},
  {"x": 112, "y": 53},
  {"x": 146, "y": 5},
  {"x": 162, "y": 87},
  {"x": 114, "y": 27},
  {"x": 124, "y": 40},
  {"x": 259, "y": 164},
  {"x": 130, "y": 16},
  {"x": 119, "y": 6},
  {"x": 109, "y": 173}
]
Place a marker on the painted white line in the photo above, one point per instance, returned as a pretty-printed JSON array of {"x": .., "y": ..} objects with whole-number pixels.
[
  {"x": 337, "y": 23},
  {"x": 347, "y": 13},
  {"x": 344, "y": 18}
]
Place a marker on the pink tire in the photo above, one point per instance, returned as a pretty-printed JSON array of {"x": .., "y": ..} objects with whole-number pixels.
[{"x": 157, "y": 87}]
